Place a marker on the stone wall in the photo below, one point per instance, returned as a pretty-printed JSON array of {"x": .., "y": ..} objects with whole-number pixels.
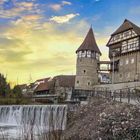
[
  {"x": 118, "y": 86},
  {"x": 129, "y": 68},
  {"x": 86, "y": 73}
]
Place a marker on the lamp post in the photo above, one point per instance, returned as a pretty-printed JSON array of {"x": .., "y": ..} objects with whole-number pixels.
[
  {"x": 113, "y": 54},
  {"x": 112, "y": 93}
]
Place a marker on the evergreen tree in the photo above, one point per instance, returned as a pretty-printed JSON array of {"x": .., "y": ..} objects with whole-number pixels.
[
  {"x": 4, "y": 86},
  {"x": 17, "y": 91}
]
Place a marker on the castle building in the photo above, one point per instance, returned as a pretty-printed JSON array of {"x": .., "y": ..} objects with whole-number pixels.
[
  {"x": 124, "y": 53},
  {"x": 88, "y": 56}
]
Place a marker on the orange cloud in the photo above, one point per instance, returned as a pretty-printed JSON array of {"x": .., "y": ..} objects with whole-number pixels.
[
  {"x": 55, "y": 7},
  {"x": 58, "y": 6},
  {"x": 32, "y": 17}
]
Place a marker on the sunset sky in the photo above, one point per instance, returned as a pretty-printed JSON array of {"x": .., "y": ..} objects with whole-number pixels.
[{"x": 40, "y": 37}]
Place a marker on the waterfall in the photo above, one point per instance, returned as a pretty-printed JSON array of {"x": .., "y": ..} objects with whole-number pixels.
[{"x": 37, "y": 117}]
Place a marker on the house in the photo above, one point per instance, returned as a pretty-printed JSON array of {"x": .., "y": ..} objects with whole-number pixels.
[
  {"x": 63, "y": 86},
  {"x": 124, "y": 53}
]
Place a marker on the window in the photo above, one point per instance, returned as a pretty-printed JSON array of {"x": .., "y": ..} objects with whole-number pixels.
[
  {"x": 121, "y": 62},
  {"x": 124, "y": 47},
  {"x": 88, "y": 53},
  {"x": 132, "y": 60},
  {"x": 83, "y": 53},
  {"x": 97, "y": 56},
  {"x": 127, "y": 61},
  {"x": 128, "y": 75},
  {"x": 130, "y": 45},
  {"x": 88, "y": 83},
  {"x": 84, "y": 71},
  {"x": 79, "y": 54},
  {"x": 122, "y": 36},
  {"x": 93, "y": 54}
]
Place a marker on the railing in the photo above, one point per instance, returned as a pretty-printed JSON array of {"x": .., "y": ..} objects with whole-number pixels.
[{"x": 128, "y": 95}]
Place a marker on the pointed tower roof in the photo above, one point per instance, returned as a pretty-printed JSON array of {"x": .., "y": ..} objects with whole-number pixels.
[
  {"x": 126, "y": 26},
  {"x": 89, "y": 43}
]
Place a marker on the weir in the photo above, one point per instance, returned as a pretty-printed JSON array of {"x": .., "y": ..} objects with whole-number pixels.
[{"x": 33, "y": 118}]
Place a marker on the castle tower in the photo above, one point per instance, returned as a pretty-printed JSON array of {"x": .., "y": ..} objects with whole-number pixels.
[
  {"x": 88, "y": 55},
  {"x": 124, "y": 53}
]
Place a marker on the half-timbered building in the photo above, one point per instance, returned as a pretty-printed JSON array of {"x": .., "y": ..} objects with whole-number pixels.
[{"x": 124, "y": 53}]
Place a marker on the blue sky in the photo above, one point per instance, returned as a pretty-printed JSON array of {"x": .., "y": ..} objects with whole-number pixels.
[{"x": 39, "y": 37}]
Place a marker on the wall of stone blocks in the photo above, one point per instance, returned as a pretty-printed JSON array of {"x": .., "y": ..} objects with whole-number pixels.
[
  {"x": 86, "y": 73},
  {"x": 129, "y": 68}
]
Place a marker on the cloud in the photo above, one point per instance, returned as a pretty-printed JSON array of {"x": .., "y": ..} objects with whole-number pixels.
[
  {"x": 55, "y": 7},
  {"x": 13, "y": 50},
  {"x": 51, "y": 53},
  {"x": 2, "y": 1},
  {"x": 31, "y": 17},
  {"x": 19, "y": 9},
  {"x": 58, "y": 6},
  {"x": 27, "y": 5},
  {"x": 48, "y": 51},
  {"x": 66, "y": 3},
  {"x": 63, "y": 19}
]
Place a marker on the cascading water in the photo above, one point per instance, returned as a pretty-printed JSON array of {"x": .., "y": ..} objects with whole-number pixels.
[{"x": 33, "y": 118}]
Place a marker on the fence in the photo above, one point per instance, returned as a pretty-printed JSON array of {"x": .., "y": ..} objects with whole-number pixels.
[{"x": 128, "y": 95}]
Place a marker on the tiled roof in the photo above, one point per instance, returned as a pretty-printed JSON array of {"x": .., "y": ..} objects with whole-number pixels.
[
  {"x": 89, "y": 43},
  {"x": 126, "y": 26},
  {"x": 42, "y": 87},
  {"x": 65, "y": 80},
  {"x": 62, "y": 80},
  {"x": 43, "y": 79}
]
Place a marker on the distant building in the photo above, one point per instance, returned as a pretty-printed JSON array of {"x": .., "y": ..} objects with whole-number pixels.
[
  {"x": 124, "y": 48},
  {"x": 104, "y": 78},
  {"x": 64, "y": 86},
  {"x": 42, "y": 89},
  {"x": 56, "y": 89},
  {"x": 43, "y": 80},
  {"x": 23, "y": 88}
]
